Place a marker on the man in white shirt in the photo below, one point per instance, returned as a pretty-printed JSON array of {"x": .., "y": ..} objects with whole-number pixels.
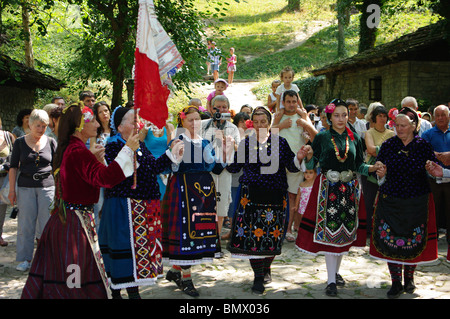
[
  {"x": 292, "y": 123},
  {"x": 211, "y": 130},
  {"x": 411, "y": 102},
  {"x": 358, "y": 125}
]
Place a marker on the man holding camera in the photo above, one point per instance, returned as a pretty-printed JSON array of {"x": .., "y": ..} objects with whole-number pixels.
[
  {"x": 216, "y": 130},
  {"x": 292, "y": 124}
]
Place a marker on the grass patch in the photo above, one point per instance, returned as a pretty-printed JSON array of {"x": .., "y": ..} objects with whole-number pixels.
[
  {"x": 258, "y": 29},
  {"x": 251, "y": 45},
  {"x": 316, "y": 51},
  {"x": 321, "y": 49}
]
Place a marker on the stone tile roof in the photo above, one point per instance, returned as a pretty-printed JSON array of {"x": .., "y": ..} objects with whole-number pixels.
[
  {"x": 14, "y": 73},
  {"x": 413, "y": 46}
]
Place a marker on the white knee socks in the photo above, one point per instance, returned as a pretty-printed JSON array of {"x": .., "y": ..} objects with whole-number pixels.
[{"x": 333, "y": 263}]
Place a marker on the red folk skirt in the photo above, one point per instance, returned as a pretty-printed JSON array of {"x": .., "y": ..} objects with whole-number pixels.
[
  {"x": 68, "y": 263},
  {"x": 334, "y": 219}
]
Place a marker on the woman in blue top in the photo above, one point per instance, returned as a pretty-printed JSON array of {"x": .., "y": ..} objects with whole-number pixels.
[
  {"x": 156, "y": 142},
  {"x": 188, "y": 210}
]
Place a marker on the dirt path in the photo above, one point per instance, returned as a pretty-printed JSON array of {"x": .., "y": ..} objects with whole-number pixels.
[
  {"x": 300, "y": 36},
  {"x": 239, "y": 93}
]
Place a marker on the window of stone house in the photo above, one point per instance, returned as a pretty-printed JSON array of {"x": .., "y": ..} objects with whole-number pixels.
[{"x": 375, "y": 88}]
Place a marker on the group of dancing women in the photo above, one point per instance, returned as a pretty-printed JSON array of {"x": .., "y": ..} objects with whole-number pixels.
[{"x": 140, "y": 229}]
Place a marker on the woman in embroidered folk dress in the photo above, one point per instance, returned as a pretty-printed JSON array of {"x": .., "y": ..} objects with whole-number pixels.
[
  {"x": 68, "y": 263},
  {"x": 188, "y": 209},
  {"x": 130, "y": 228},
  {"x": 404, "y": 228},
  {"x": 335, "y": 219},
  {"x": 260, "y": 222}
]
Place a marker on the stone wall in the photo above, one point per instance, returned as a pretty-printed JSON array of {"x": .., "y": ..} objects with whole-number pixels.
[
  {"x": 12, "y": 100},
  {"x": 430, "y": 81},
  {"x": 426, "y": 81},
  {"x": 355, "y": 84}
]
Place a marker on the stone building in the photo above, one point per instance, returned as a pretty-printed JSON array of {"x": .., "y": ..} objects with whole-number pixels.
[
  {"x": 18, "y": 85},
  {"x": 416, "y": 64}
]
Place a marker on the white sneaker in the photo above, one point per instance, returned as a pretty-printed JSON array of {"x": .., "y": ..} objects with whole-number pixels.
[{"x": 23, "y": 266}]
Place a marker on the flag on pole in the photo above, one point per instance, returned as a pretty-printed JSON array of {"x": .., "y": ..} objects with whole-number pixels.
[{"x": 156, "y": 60}]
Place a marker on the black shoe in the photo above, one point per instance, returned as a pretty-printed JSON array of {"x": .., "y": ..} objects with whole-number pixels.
[
  {"x": 258, "y": 285},
  {"x": 331, "y": 290},
  {"x": 189, "y": 289},
  {"x": 267, "y": 277},
  {"x": 396, "y": 290},
  {"x": 175, "y": 277},
  {"x": 340, "y": 282},
  {"x": 410, "y": 287}
]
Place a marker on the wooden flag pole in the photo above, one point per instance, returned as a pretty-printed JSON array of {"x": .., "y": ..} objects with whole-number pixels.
[{"x": 135, "y": 153}]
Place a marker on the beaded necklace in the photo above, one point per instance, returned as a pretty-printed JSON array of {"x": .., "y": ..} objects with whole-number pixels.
[{"x": 336, "y": 149}]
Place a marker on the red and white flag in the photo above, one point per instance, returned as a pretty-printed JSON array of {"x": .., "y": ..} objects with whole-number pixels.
[{"x": 156, "y": 60}]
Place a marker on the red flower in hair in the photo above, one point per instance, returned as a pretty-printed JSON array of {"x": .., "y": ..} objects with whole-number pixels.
[
  {"x": 249, "y": 123},
  {"x": 88, "y": 114},
  {"x": 330, "y": 108},
  {"x": 393, "y": 113},
  {"x": 87, "y": 110}
]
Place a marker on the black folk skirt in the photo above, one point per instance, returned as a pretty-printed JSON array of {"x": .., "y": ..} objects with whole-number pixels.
[{"x": 259, "y": 223}]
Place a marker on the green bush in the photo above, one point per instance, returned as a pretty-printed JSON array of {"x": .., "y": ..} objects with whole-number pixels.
[{"x": 308, "y": 89}]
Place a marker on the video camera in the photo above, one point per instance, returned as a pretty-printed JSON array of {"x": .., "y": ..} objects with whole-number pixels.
[{"x": 217, "y": 117}]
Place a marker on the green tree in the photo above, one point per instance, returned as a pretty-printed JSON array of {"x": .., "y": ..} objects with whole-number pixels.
[
  {"x": 293, "y": 5},
  {"x": 389, "y": 8},
  {"x": 343, "y": 17},
  {"x": 18, "y": 18},
  {"x": 109, "y": 37},
  {"x": 442, "y": 7},
  {"x": 367, "y": 33},
  {"x": 107, "y": 45}
]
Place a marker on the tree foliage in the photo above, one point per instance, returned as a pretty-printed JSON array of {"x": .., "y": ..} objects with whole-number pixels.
[
  {"x": 90, "y": 41},
  {"x": 367, "y": 34},
  {"x": 109, "y": 37},
  {"x": 293, "y": 5},
  {"x": 343, "y": 16},
  {"x": 13, "y": 28},
  {"x": 107, "y": 44},
  {"x": 388, "y": 8}
]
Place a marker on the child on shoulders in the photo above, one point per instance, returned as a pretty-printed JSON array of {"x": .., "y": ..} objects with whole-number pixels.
[
  {"x": 287, "y": 77},
  {"x": 220, "y": 85}
]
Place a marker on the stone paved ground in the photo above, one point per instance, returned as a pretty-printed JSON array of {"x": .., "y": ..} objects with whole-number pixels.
[{"x": 295, "y": 276}]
